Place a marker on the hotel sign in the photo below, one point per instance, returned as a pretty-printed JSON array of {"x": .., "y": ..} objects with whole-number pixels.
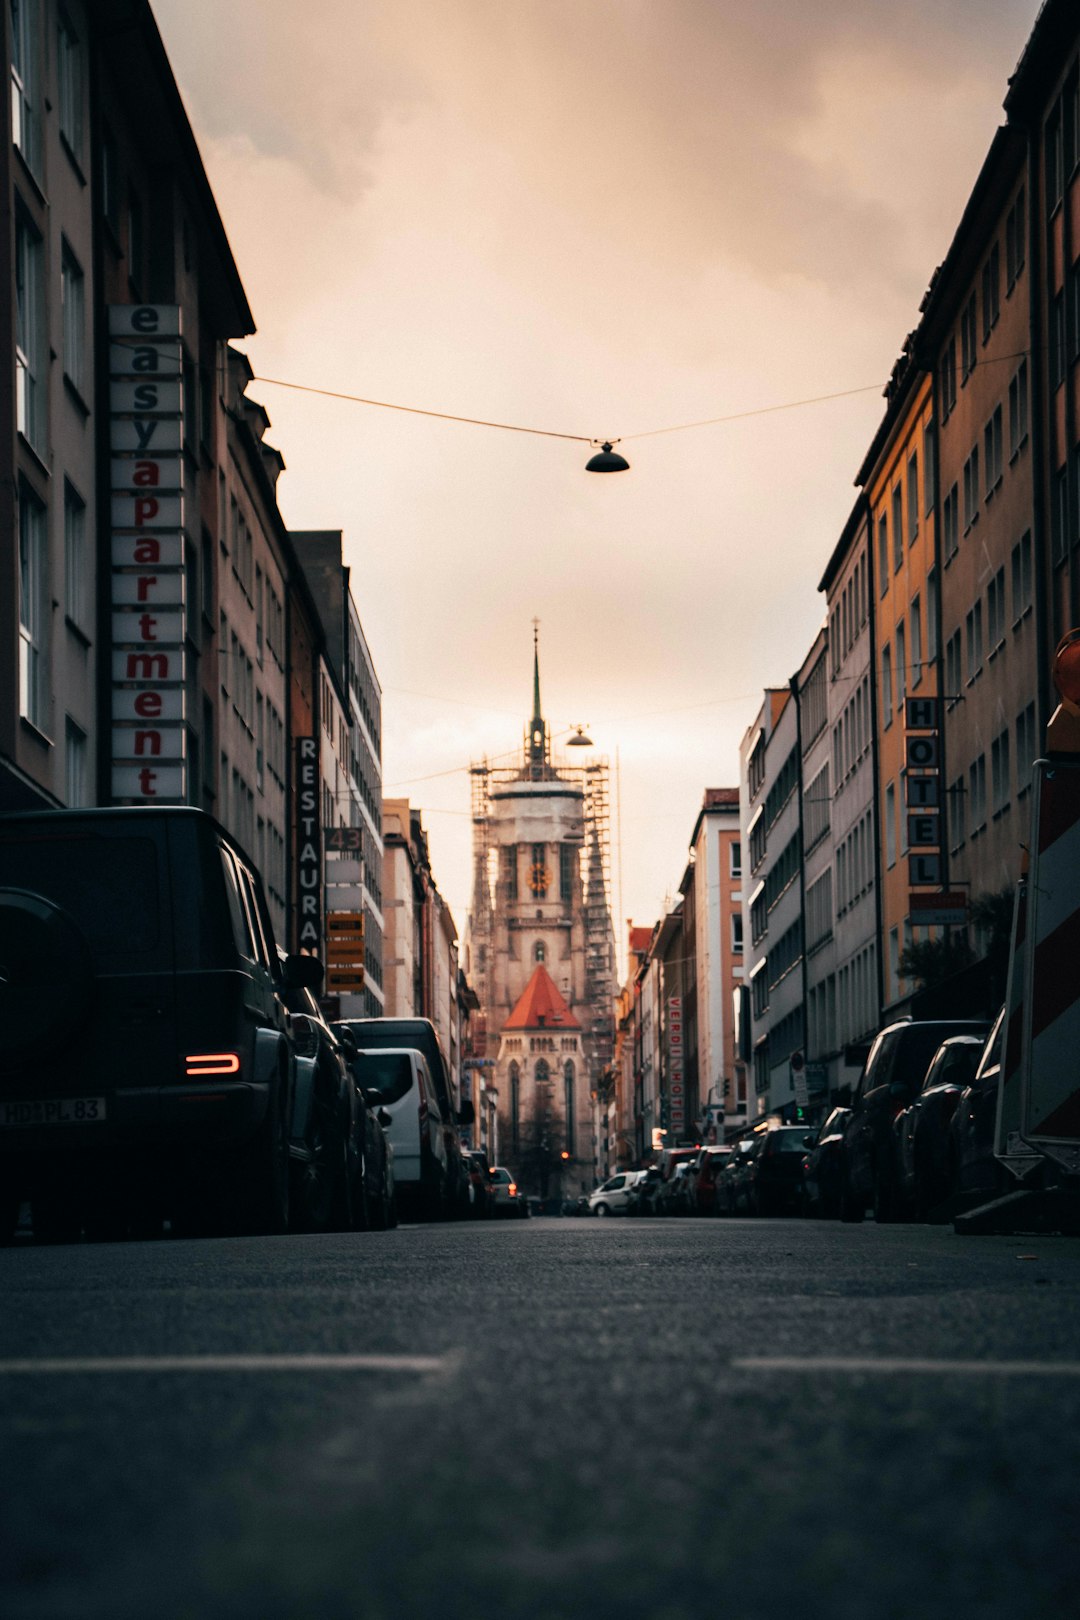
[
  {"x": 149, "y": 607},
  {"x": 676, "y": 1073},
  {"x": 922, "y": 782}
]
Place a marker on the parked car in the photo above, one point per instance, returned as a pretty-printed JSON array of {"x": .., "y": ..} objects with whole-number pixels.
[
  {"x": 639, "y": 1198},
  {"x": 971, "y": 1162},
  {"x": 327, "y": 1131},
  {"x": 421, "y": 1034},
  {"x": 667, "y": 1162},
  {"x": 481, "y": 1195},
  {"x": 710, "y": 1162},
  {"x": 771, "y": 1182},
  {"x": 146, "y": 1067},
  {"x": 613, "y": 1197},
  {"x": 730, "y": 1174},
  {"x": 894, "y": 1071},
  {"x": 398, "y": 1083},
  {"x": 375, "y": 1198},
  {"x": 823, "y": 1167},
  {"x": 508, "y": 1196},
  {"x": 924, "y": 1150}
]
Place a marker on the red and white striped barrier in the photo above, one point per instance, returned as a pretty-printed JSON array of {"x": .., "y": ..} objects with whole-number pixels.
[
  {"x": 1050, "y": 1068},
  {"x": 1009, "y": 1145}
]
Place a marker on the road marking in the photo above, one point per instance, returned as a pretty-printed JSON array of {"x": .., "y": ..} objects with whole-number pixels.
[
  {"x": 907, "y": 1364},
  {"x": 170, "y": 1364}
]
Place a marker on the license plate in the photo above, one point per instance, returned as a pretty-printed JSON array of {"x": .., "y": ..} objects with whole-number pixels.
[{"x": 52, "y": 1111}]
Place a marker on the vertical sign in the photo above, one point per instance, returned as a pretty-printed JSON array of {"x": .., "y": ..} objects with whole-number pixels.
[
  {"x": 923, "y": 792},
  {"x": 308, "y": 847},
  {"x": 676, "y": 1080},
  {"x": 147, "y": 509}
]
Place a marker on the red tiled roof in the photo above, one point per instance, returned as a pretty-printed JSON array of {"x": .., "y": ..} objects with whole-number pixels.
[{"x": 540, "y": 1006}]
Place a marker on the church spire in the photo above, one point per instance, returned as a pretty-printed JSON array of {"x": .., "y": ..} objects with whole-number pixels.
[{"x": 537, "y": 737}]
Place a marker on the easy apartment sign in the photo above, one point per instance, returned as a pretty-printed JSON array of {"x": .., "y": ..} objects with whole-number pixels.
[{"x": 148, "y": 605}]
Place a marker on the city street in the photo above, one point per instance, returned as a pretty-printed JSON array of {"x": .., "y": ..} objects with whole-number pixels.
[{"x": 550, "y": 1418}]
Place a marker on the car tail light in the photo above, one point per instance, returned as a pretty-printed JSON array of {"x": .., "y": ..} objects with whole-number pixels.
[
  {"x": 201, "y": 1064},
  {"x": 512, "y": 1189}
]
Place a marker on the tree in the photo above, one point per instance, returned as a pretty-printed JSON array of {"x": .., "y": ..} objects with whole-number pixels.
[{"x": 929, "y": 962}]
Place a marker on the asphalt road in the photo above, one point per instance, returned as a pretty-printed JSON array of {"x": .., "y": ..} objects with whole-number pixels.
[{"x": 580, "y": 1418}]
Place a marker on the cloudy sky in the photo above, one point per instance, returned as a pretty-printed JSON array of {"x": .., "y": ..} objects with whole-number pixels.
[{"x": 596, "y": 217}]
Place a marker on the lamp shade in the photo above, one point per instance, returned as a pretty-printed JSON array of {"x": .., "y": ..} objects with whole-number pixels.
[{"x": 607, "y": 460}]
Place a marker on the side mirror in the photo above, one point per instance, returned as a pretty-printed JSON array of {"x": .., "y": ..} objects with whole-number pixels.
[
  {"x": 808, "y": 1141},
  {"x": 385, "y": 1118},
  {"x": 897, "y": 1088},
  {"x": 373, "y": 1099},
  {"x": 305, "y": 1035},
  {"x": 348, "y": 1041},
  {"x": 466, "y": 1113},
  {"x": 302, "y": 973}
]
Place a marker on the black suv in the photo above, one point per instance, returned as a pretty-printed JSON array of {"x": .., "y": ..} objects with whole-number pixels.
[
  {"x": 893, "y": 1073},
  {"x": 145, "y": 1066}
]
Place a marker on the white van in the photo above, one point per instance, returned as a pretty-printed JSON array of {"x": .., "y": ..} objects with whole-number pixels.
[
  {"x": 612, "y": 1197},
  {"x": 398, "y": 1080}
]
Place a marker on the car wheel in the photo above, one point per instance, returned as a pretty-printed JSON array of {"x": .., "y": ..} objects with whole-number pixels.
[
  {"x": 260, "y": 1179},
  {"x": 601, "y": 1209}
]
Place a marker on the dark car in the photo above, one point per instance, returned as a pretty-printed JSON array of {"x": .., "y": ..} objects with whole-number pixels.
[
  {"x": 146, "y": 1068},
  {"x": 894, "y": 1071},
  {"x": 823, "y": 1169},
  {"x": 482, "y": 1196},
  {"x": 771, "y": 1182},
  {"x": 709, "y": 1165},
  {"x": 972, "y": 1164},
  {"x": 420, "y": 1035},
  {"x": 730, "y": 1175},
  {"x": 639, "y": 1200},
  {"x": 924, "y": 1153}
]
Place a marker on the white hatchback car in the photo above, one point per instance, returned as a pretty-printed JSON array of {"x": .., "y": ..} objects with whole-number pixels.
[{"x": 610, "y": 1199}]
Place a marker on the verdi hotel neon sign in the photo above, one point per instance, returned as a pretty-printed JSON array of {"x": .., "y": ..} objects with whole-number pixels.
[{"x": 149, "y": 610}]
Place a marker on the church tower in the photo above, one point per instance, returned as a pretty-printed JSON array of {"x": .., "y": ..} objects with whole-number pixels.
[{"x": 542, "y": 957}]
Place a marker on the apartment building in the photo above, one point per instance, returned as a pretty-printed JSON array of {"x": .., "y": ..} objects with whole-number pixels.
[
  {"x": 716, "y": 855},
  {"x": 852, "y": 694},
  {"x": 772, "y": 900},
  {"x": 820, "y": 960}
]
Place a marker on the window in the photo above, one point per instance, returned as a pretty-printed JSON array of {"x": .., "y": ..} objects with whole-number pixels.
[
  {"x": 110, "y": 181},
  {"x": 974, "y": 641},
  {"x": 76, "y": 596},
  {"x": 819, "y": 911},
  {"x": 737, "y": 933},
  {"x": 968, "y": 339},
  {"x": 977, "y": 793},
  {"x": 947, "y": 380},
  {"x": 886, "y": 688},
  {"x": 735, "y": 867},
  {"x": 901, "y": 665},
  {"x": 510, "y": 872},
  {"x": 29, "y": 335},
  {"x": 570, "y": 1107},
  {"x": 993, "y": 452},
  {"x": 932, "y": 605},
  {"x": 957, "y": 815},
  {"x": 1026, "y": 748},
  {"x": 929, "y": 469},
  {"x": 515, "y": 1108},
  {"x": 1054, "y": 165},
  {"x": 995, "y": 612},
  {"x": 73, "y": 307},
  {"x": 33, "y": 605},
  {"x": 76, "y": 793},
  {"x": 890, "y": 825},
  {"x": 999, "y": 772},
  {"x": 1018, "y": 410},
  {"x": 1015, "y": 240},
  {"x": 952, "y": 668},
  {"x": 70, "y": 77},
  {"x": 991, "y": 291},
  {"x": 883, "y": 552},
  {"x": 950, "y": 523},
  {"x": 136, "y": 240},
  {"x": 1021, "y": 578},
  {"x": 1057, "y": 340},
  {"x": 913, "y": 498},
  {"x": 898, "y": 526},
  {"x": 24, "y": 80},
  {"x": 817, "y": 807},
  {"x": 916, "y": 641},
  {"x": 971, "y": 489},
  {"x": 1059, "y": 509}
]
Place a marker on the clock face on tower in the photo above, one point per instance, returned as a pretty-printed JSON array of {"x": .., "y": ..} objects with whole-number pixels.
[{"x": 539, "y": 879}]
